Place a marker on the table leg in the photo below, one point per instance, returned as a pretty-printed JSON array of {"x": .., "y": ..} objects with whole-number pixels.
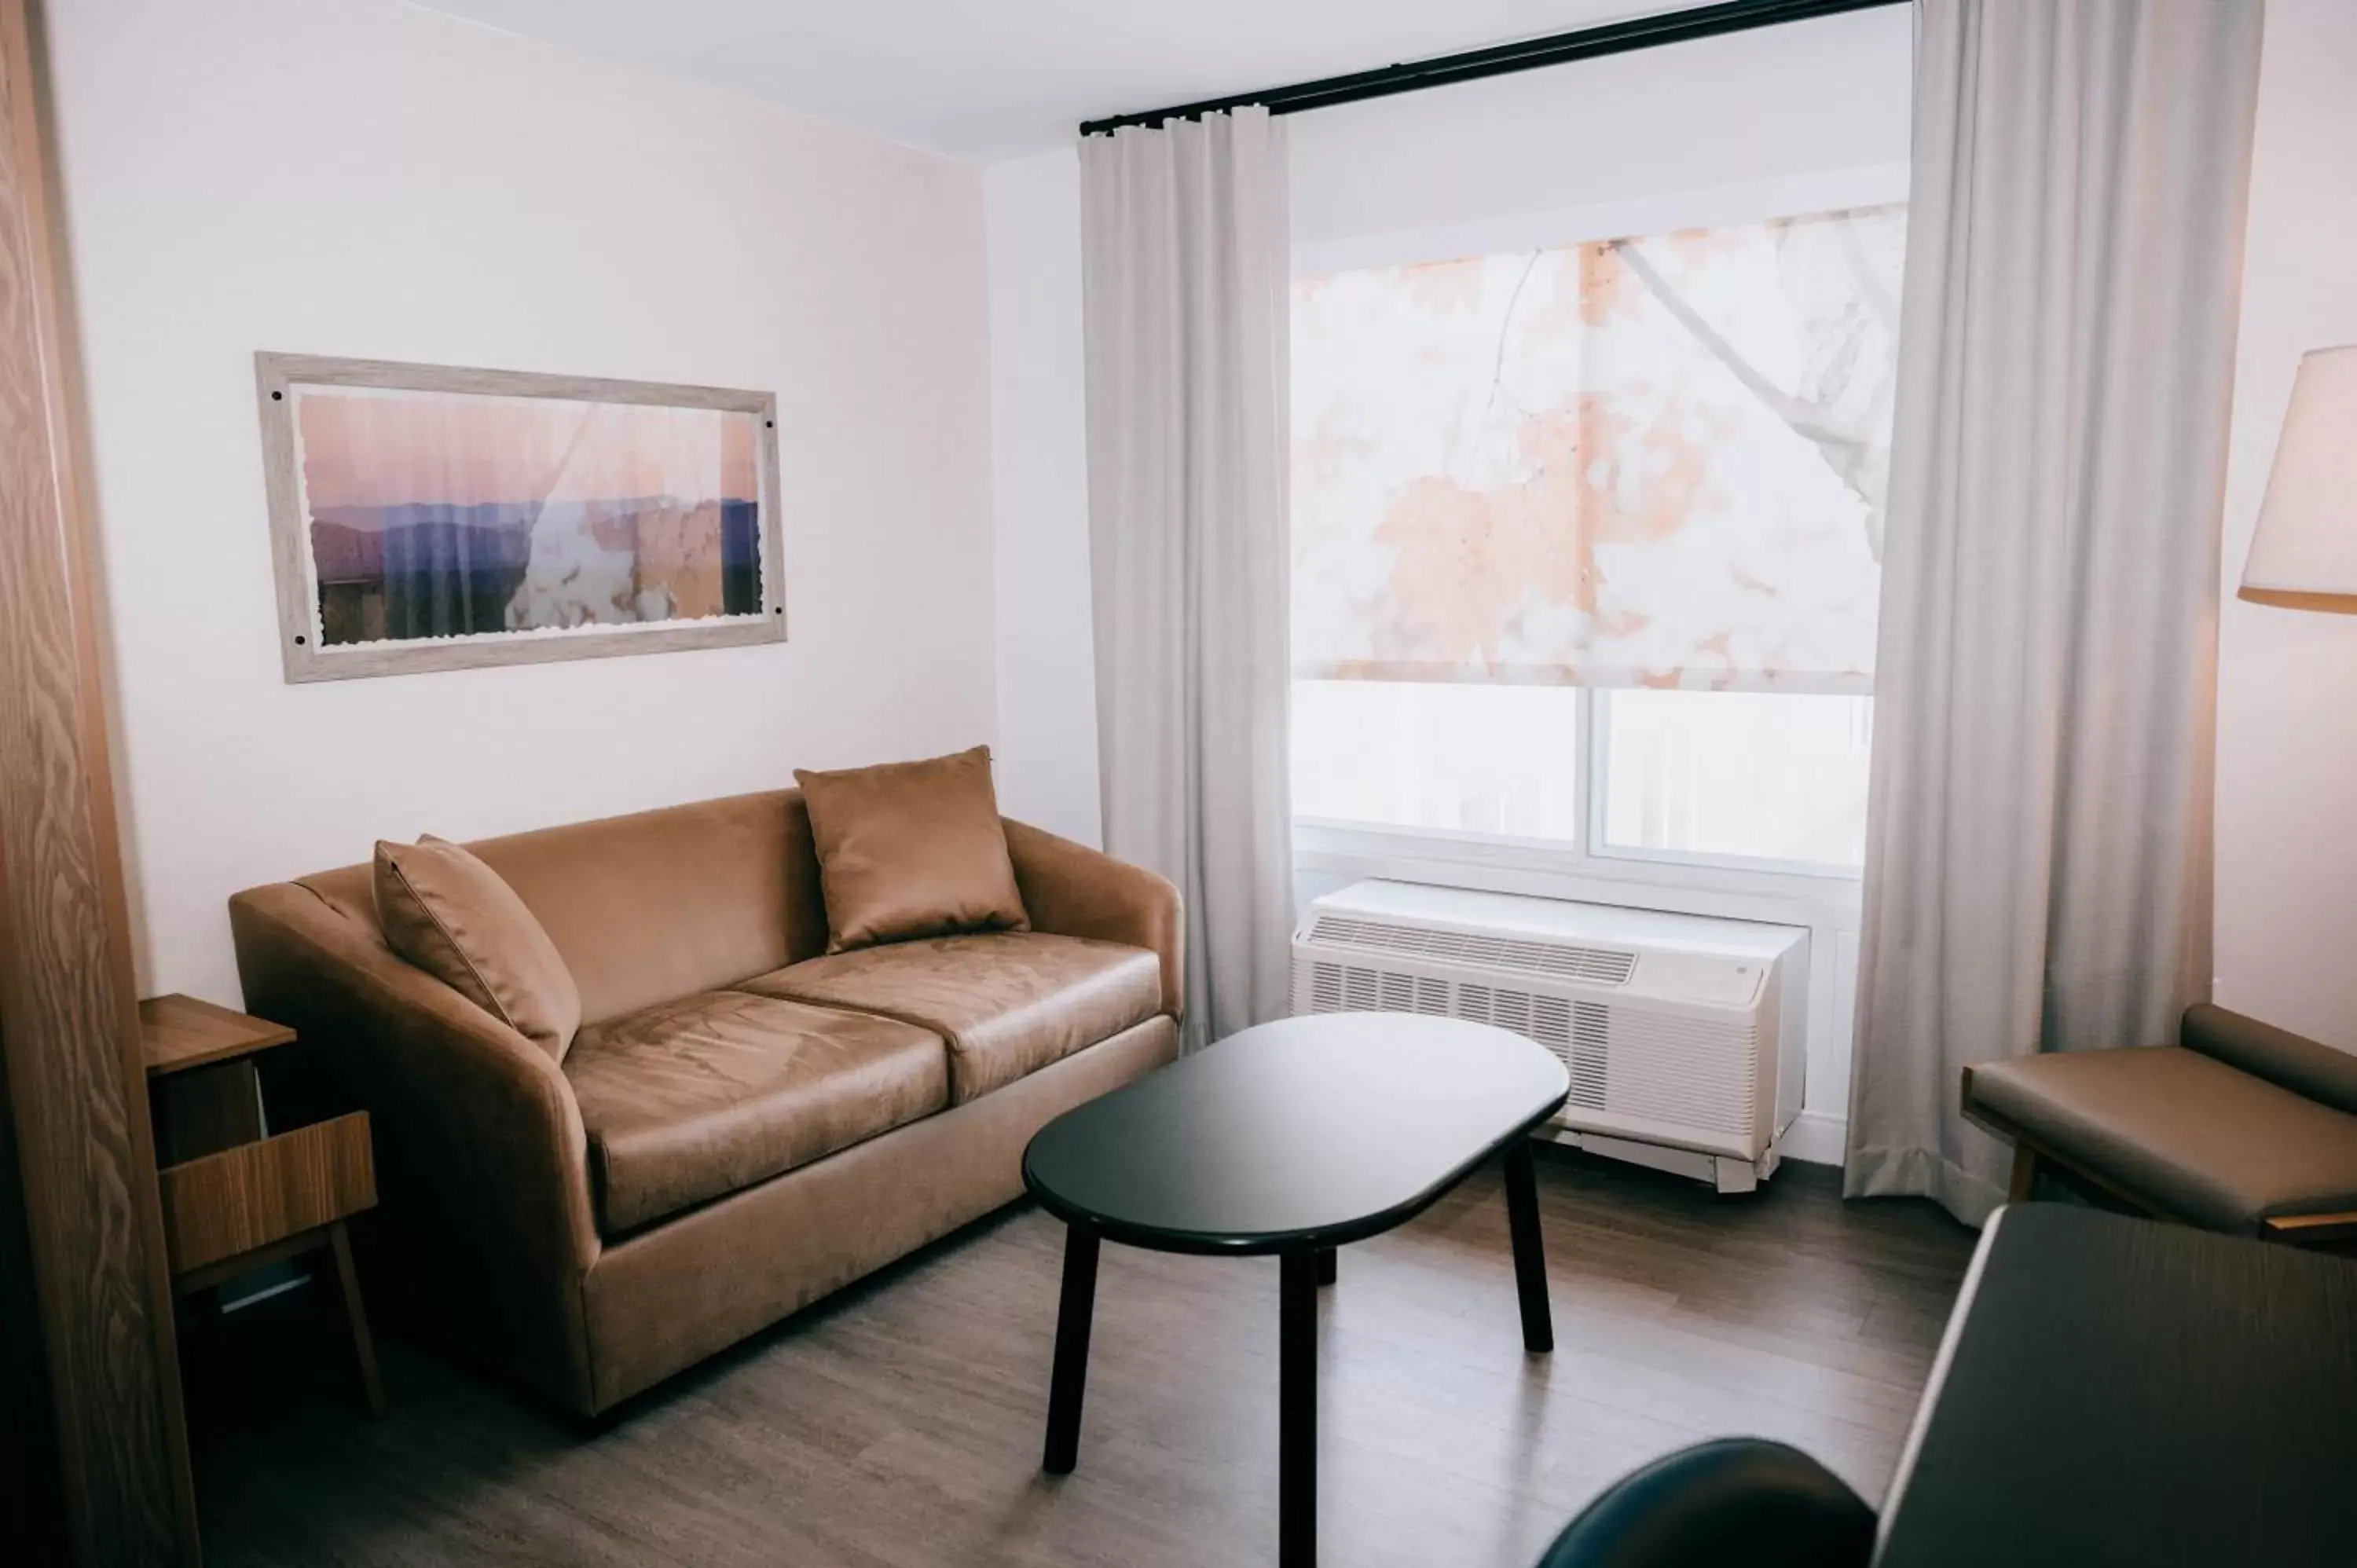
[
  {"x": 1066, "y": 1384},
  {"x": 1530, "y": 1248},
  {"x": 1328, "y": 1265},
  {"x": 1296, "y": 1409},
  {"x": 347, "y": 1283}
]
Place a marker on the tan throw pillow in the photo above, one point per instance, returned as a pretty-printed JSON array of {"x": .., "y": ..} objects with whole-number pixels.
[
  {"x": 452, "y": 916},
  {"x": 911, "y": 849}
]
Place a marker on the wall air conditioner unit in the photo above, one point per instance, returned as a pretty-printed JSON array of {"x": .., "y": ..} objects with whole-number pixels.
[{"x": 1684, "y": 1036}]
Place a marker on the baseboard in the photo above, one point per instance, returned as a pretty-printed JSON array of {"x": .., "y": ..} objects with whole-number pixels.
[{"x": 1817, "y": 1138}]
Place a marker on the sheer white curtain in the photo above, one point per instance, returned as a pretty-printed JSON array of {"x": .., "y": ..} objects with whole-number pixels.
[
  {"x": 1186, "y": 258},
  {"x": 2038, "y": 860}
]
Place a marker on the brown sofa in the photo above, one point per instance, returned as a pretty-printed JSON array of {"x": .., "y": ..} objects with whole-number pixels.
[{"x": 743, "y": 1123}]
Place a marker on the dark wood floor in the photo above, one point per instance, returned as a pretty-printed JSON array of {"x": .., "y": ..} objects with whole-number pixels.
[{"x": 900, "y": 1424}]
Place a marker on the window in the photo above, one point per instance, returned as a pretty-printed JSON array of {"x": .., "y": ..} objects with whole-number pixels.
[
  {"x": 1587, "y": 539},
  {"x": 1498, "y": 761},
  {"x": 1779, "y": 778}
]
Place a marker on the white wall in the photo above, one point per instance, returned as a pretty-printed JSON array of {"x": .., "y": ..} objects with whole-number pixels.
[
  {"x": 359, "y": 177},
  {"x": 1047, "y": 677},
  {"x": 2286, "y": 929}
]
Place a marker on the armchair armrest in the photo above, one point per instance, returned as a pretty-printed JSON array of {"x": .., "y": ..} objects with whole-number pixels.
[
  {"x": 482, "y": 1157},
  {"x": 1076, "y": 891},
  {"x": 2308, "y": 1068}
]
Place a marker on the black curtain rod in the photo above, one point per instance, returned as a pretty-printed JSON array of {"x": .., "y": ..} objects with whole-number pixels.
[{"x": 1557, "y": 49}]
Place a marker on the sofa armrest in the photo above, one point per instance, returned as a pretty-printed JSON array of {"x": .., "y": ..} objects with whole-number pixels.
[
  {"x": 482, "y": 1158},
  {"x": 1076, "y": 891},
  {"x": 2308, "y": 1068}
]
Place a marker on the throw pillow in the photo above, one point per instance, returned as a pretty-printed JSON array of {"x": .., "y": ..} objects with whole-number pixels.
[
  {"x": 453, "y": 917},
  {"x": 911, "y": 849}
]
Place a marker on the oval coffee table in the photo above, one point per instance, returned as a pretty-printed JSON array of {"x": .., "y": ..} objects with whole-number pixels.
[{"x": 1293, "y": 1138}]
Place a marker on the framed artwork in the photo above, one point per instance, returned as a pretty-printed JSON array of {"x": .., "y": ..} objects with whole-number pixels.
[{"x": 424, "y": 517}]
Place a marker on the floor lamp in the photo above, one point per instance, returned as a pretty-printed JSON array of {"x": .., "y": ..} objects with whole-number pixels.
[{"x": 2304, "y": 554}]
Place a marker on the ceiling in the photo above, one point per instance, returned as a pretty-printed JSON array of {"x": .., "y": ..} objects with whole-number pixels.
[{"x": 991, "y": 78}]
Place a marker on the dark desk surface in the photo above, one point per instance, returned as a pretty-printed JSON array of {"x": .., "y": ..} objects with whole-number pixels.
[
  {"x": 2115, "y": 1390},
  {"x": 1308, "y": 1131}
]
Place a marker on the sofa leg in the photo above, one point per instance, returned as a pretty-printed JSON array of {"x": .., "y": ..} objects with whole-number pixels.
[{"x": 2025, "y": 1175}]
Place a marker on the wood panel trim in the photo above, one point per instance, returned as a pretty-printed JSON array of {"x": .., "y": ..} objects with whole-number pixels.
[
  {"x": 68, "y": 1023},
  {"x": 32, "y": 1492}
]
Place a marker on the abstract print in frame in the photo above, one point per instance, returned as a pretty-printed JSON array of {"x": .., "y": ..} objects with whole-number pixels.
[{"x": 425, "y": 517}]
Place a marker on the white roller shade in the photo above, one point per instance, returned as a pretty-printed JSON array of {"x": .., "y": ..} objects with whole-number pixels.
[{"x": 1655, "y": 461}]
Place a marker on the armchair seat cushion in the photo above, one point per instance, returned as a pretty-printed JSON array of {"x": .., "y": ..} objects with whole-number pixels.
[
  {"x": 1008, "y": 1003},
  {"x": 692, "y": 1100},
  {"x": 2178, "y": 1130}
]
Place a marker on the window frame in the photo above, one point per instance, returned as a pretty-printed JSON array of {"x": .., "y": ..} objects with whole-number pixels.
[{"x": 1595, "y": 756}]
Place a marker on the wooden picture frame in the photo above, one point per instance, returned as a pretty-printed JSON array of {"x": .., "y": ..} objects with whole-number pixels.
[{"x": 438, "y": 579}]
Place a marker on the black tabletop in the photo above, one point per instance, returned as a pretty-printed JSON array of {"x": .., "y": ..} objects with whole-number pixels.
[
  {"x": 2118, "y": 1390},
  {"x": 1308, "y": 1131}
]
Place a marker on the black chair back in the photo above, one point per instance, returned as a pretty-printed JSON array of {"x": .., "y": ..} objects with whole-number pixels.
[{"x": 1738, "y": 1500}]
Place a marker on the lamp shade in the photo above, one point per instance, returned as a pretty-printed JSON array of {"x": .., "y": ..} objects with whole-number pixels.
[{"x": 2304, "y": 554}]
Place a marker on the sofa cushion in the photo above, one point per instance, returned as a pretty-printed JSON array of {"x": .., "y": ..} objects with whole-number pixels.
[
  {"x": 1008, "y": 1003},
  {"x": 451, "y": 916},
  {"x": 911, "y": 849},
  {"x": 692, "y": 1100},
  {"x": 2187, "y": 1133},
  {"x": 655, "y": 904},
  {"x": 665, "y": 904}
]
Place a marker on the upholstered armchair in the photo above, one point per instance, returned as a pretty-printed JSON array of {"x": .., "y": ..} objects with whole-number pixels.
[{"x": 2240, "y": 1126}]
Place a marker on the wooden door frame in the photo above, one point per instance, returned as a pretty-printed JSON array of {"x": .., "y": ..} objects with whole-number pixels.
[{"x": 92, "y": 1227}]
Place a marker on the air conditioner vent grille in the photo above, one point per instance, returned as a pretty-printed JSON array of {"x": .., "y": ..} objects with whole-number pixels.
[
  {"x": 1590, "y": 1053},
  {"x": 1597, "y": 966},
  {"x": 1623, "y": 1060},
  {"x": 1690, "y": 1072}
]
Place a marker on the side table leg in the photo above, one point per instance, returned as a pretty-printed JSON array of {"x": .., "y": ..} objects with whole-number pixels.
[
  {"x": 348, "y": 1284},
  {"x": 1328, "y": 1264},
  {"x": 1066, "y": 1384},
  {"x": 1530, "y": 1248},
  {"x": 1296, "y": 1409}
]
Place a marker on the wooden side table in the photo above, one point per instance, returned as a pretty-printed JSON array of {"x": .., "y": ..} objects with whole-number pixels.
[{"x": 235, "y": 1200}]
